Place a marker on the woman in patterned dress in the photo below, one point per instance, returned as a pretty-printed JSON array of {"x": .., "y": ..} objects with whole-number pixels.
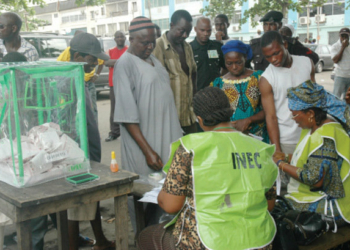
[
  {"x": 213, "y": 112},
  {"x": 320, "y": 163},
  {"x": 241, "y": 85}
]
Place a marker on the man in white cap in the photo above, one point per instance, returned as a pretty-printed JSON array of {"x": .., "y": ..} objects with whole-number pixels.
[
  {"x": 145, "y": 109},
  {"x": 341, "y": 56}
]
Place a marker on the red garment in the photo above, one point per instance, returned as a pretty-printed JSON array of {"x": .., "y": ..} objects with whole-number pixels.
[{"x": 114, "y": 54}]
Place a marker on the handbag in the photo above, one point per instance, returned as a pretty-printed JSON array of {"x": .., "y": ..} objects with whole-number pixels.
[
  {"x": 284, "y": 239},
  {"x": 306, "y": 226}
]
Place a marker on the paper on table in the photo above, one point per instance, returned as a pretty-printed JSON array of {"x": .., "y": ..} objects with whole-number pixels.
[{"x": 151, "y": 196}]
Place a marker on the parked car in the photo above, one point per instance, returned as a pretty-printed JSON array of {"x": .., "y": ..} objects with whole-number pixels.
[
  {"x": 324, "y": 53},
  {"x": 51, "y": 45},
  {"x": 48, "y": 45}
]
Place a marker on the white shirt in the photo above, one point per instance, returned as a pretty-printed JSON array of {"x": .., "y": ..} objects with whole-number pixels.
[
  {"x": 281, "y": 79},
  {"x": 343, "y": 66},
  {"x": 28, "y": 50}
]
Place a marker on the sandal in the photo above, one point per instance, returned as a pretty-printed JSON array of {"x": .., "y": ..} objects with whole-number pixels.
[
  {"x": 111, "y": 246},
  {"x": 85, "y": 241}
]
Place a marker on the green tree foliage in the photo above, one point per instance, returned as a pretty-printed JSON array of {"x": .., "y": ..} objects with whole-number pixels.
[
  {"x": 26, "y": 12},
  {"x": 260, "y": 8}
]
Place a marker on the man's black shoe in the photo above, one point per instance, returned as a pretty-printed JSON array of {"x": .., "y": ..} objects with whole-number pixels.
[{"x": 111, "y": 138}]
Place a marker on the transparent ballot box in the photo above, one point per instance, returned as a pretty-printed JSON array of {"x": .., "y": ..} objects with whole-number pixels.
[{"x": 43, "y": 133}]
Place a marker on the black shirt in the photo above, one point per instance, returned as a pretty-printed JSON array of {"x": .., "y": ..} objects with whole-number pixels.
[
  {"x": 209, "y": 59},
  {"x": 294, "y": 48}
]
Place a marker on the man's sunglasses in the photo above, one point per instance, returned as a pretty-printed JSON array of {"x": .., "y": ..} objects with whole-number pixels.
[{"x": 2, "y": 26}]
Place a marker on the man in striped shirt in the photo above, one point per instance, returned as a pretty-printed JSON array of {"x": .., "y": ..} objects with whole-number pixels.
[
  {"x": 176, "y": 55},
  {"x": 11, "y": 41}
]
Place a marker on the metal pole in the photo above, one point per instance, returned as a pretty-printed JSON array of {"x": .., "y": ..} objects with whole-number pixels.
[
  {"x": 318, "y": 25},
  {"x": 307, "y": 22}
]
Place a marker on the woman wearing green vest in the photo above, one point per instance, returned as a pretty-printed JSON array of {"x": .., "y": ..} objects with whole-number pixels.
[
  {"x": 320, "y": 163},
  {"x": 218, "y": 183}
]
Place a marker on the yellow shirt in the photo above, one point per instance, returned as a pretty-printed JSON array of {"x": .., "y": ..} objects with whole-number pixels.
[{"x": 65, "y": 57}]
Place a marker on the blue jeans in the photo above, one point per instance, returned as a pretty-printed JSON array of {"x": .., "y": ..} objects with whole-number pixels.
[
  {"x": 93, "y": 97},
  {"x": 341, "y": 85}
]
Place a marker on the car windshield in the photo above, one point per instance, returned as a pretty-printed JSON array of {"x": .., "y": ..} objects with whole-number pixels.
[{"x": 313, "y": 47}]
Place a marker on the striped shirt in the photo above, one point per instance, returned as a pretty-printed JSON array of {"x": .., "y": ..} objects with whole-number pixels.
[
  {"x": 343, "y": 66},
  {"x": 28, "y": 50},
  {"x": 180, "y": 82}
]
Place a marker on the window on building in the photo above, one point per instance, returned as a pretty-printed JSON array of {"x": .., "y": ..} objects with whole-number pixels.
[
  {"x": 333, "y": 37},
  {"x": 55, "y": 15},
  {"x": 164, "y": 24},
  {"x": 313, "y": 12},
  {"x": 117, "y": 9},
  {"x": 102, "y": 11},
  {"x": 124, "y": 26},
  {"x": 47, "y": 18},
  {"x": 157, "y": 3},
  {"x": 302, "y": 37},
  {"x": 93, "y": 31},
  {"x": 112, "y": 28},
  {"x": 74, "y": 18},
  {"x": 333, "y": 7},
  {"x": 134, "y": 6},
  {"x": 92, "y": 14},
  {"x": 236, "y": 17},
  {"x": 101, "y": 29},
  {"x": 185, "y": 1}
]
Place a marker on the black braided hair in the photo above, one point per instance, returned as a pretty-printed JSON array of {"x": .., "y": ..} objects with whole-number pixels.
[{"x": 212, "y": 105}]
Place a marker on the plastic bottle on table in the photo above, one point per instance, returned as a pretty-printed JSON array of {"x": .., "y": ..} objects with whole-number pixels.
[{"x": 114, "y": 165}]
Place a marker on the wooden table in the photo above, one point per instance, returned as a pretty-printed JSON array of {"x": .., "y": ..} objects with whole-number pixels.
[
  {"x": 330, "y": 240},
  {"x": 23, "y": 204},
  {"x": 138, "y": 190}
]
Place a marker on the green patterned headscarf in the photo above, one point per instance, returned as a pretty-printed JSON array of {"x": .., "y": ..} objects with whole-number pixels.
[{"x": 311, "y": 95}]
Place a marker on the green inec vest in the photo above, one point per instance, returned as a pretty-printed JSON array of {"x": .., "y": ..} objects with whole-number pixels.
[
  {"x": 300, "y": 192},
  {"x": 231, "y": 173}
]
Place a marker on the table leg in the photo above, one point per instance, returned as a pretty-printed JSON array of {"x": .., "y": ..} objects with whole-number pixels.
[
  {"x": 62, "y": 230},
  {"x": 139, "y": 214},
  {"x": 24, "y": 235},
  {"x": 121, "y": 222}
]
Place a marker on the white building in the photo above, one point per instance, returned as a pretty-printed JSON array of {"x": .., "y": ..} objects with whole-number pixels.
[{"x": 65, "y": 17}]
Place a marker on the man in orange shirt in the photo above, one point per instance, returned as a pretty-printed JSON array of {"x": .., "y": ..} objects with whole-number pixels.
[{"x": 114, "y": 54}]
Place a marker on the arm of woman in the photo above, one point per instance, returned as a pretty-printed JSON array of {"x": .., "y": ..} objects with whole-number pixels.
[
  {"x": 298, "y": 174},
  {"x": 173, "y": 194},
  {"x": 319, "y": 162},
  {"x": 170, "y": 203},
  {"x": 244, "y": 124}
]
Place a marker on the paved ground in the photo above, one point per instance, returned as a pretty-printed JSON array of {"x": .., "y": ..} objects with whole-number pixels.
[{"x": 107, "y": 205}]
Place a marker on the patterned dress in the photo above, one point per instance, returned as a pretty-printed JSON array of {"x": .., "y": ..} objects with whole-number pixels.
[
  {"x": 324, "y": 160},
  {"x": 179, "y": 182},
  {"x": 244, "y": 97}
]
